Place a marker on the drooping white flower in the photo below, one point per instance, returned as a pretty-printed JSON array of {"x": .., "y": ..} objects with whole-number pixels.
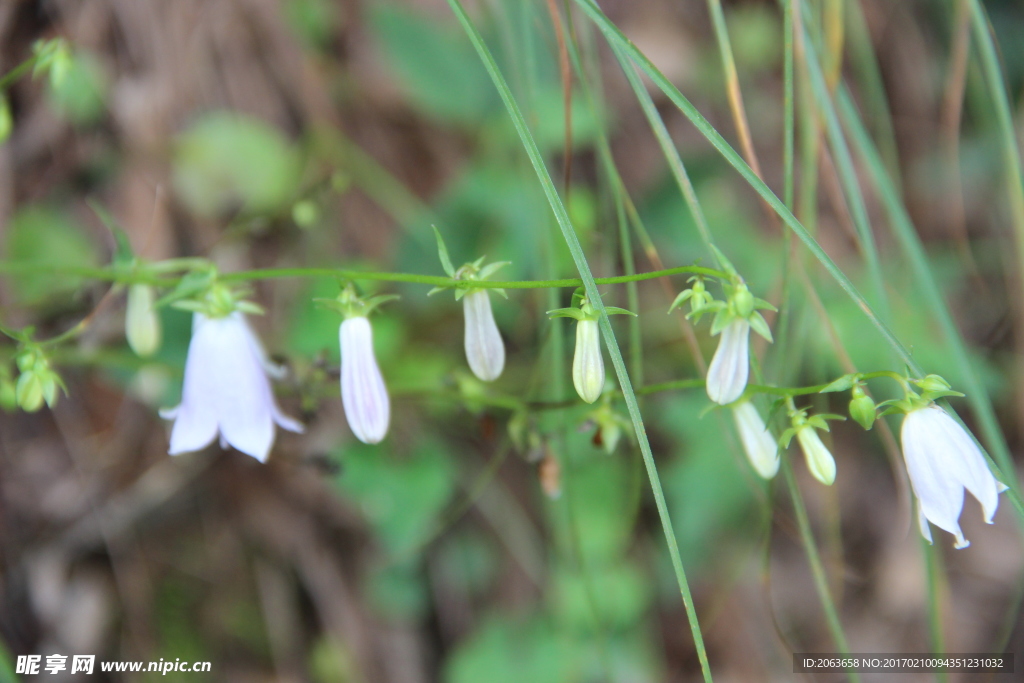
[
  {"x": 819, "y": 460},
  {"x": 942, "y": 460},
  {"x": 226, "y": 391},
  {"x": 485, "y": 350},
  {"x": 761, "y": 449},
  {"x": 363, "y": 393},
  {"x": 141, "y": 322},
  {"x": 729, "y": 369},
  {"x": 587, "y": 362}
]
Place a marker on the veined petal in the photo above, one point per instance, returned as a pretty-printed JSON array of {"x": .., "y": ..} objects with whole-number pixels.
[
  {"x": 761, "y": 449},
  {"x": 485, "y": 350},
  {"x": 819, "y": 459},
  {"x": 970, "y": 465},
  {"x": 942, "y": 460},
  {"x": 245, "y": 403},
  {"x": 363, "y": 393},
  {"x": 730, "y": 367},
  {"x": 195, "y": 419},
  {"x": 938, "y": 490},
  {"x": 587, "y": 362}
]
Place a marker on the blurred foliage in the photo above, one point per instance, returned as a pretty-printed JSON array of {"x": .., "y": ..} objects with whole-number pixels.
[{"x": 48, "y": 235}]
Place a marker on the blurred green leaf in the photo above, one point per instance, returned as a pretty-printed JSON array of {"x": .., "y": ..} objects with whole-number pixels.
[
  {"x": 618, "y": 594},
  {"x": 45, "y": 236},
  {"x": 707, "y": 493},
  {"x": 313, "y": 21},
  {"x": 600, "y": 500},
  {"x": 506, "y": 650},
  {"x": 227, "y": 162},
  {"x": 398, "y": 592},
  {"x": 80, "y": 94},
  {"x": 401, "y": 497},
  {"x": 435, "y": 63}
]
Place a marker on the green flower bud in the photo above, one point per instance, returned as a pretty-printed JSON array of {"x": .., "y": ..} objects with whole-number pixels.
[
  {"x": 6, "y": 122},
  {"x": 8, "y": 390},
  {"x": 141, "y": 322},
  {"x": 29, "y": 392},
  {"x": 862, "y": 408},
  {"x": 933, "y": 383}
]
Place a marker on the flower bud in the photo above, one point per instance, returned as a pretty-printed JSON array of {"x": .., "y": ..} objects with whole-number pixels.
[
  {"x": 29, "y": 392},
  {"x": 485, "y": 350},
  {"x": 819, "y": 459},
  {"x": 760, "y": 447},
  {"x": 141, "y": 321},
  {"x": 587, "y": 363},
  {"x": 363, "y": 393},
  {"x": 933, "y": 383},
  {"x": 730, "y": 366},
  {"x": 862, "y": 408}
]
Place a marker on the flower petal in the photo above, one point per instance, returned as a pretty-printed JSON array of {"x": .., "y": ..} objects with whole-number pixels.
[
  {"x": 195, "y": 419},
  {"x": 934, "y": 469},
  {"x": 587, "y": 361},
  {"x": 971, "y": 467},
  {"x": 363, "y": 393},
  {"x": 761, "y": 449},
  {"x": 485, "y": 351},
  {"x": 819, "y": 460},
  {"x": 730, "y": 367},
  {"x": 245, "y": 404}
]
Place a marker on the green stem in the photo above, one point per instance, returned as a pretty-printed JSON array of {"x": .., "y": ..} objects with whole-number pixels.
[
  {"x": 589, "y": 283},
  {"x": 817, "y": 569},
  {"x": 127, "y": 276}
]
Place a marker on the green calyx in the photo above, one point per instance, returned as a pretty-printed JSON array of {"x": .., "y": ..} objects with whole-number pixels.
[
  {"x": 799, "y": 419},
  {"x": 351, "y": 305},
  {"x": 475, "y": 270},
  {"x": 37, "y": 382},
  {"x": 932, "y": 387},
  {"x": 586, "y": 311},
  {"x": 217, "y": 300}
]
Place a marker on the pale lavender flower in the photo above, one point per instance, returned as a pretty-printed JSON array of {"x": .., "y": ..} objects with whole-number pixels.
[
  {"x": 226, "y": 391},
  {"x": 485, "y": 350},
  {"x": 729, "y": 369},
  {"x": 363, "y": 393},
  {"x": 942, "y": 460}
]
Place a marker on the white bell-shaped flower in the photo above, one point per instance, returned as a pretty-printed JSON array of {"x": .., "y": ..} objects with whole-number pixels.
[
  {"x": 485, "y": 350},
  {"x": 363, "y": 393},
  {"x": 761, "y": 449},
  {"x": 942, "y": 460},
  {"x": 587, "y": 362},
  {"x": 819, "y": 460},
  {"x": 226, "y": 391},
  {"x": 729, "y": 369}
]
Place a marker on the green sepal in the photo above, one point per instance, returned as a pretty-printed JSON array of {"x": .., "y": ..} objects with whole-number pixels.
[
  {"x": 435, "y": 290},
  {"x": 844, "y": 383},
  {"x": 787, "y": 436},
  {"x": 941, "y": 394},
  {"x": 191, "y": 284},
  {"x": 764, "y": 305},
  {"x": 722, "y": 319},
  {"x": 442, "y": 253},
  {"x": 615, "y": 310},
  {"x": 460, "y": 292},
  {"x": 680, "y": 299},
  {"x": 491, "y": 269},
  {"x": 574, "y": 313},
  {"x": 250, "y": 307},
  {"x": 499, "y": 290},
  {"x": 760, "y": 325}
]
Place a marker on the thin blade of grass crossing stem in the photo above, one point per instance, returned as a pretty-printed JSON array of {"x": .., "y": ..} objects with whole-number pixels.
[
  {"x": 562, "y": 216},
  {"x": 615, "y": 36}
]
